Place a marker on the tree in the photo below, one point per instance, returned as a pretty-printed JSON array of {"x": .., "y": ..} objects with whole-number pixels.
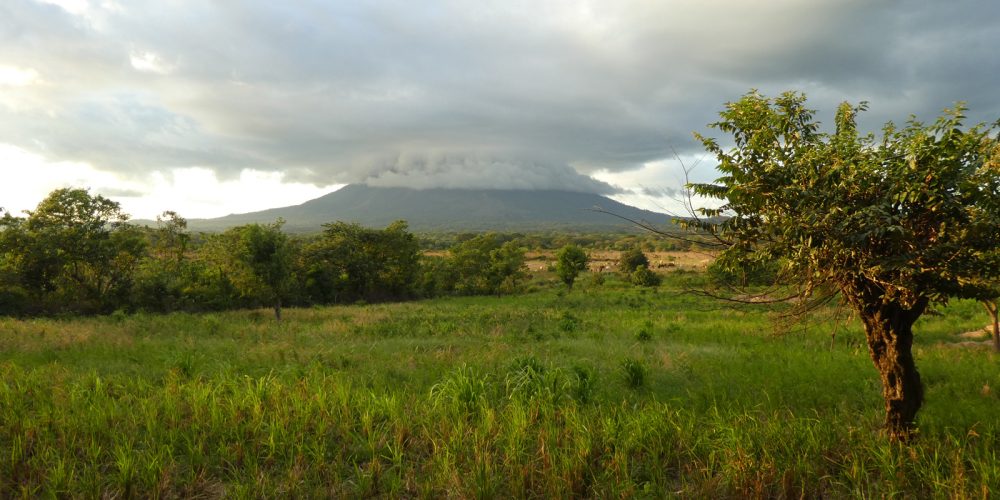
[
  {"x": 991, "y": 302},
  {"x": 350, "y": 262},
  {"x": 74, "y": 252},
  {"x": 506, "y": 268},
  {"x": 571, "y": 260},
  {"x": 892, "y": 225},
  {"x": 485, "y": 264},
  {"x": 266, "y": 252},
  {"x": 991, "y": 306},
  {"x": 13, "y": 297},
  {"x": 170, "y": 239},
  {"x": 166, "y": 277}
]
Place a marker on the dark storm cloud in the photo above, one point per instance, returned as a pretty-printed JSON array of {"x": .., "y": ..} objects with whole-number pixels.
[{"x": 477, "y": 94}]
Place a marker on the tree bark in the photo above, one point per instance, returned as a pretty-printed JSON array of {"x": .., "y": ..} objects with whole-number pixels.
[
  {"x": 992, "y": 307},
  {"x": 889, "y": 330}
]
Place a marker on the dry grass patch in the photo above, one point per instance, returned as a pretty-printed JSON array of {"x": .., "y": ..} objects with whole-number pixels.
[
  {"x": 47, "y": 335},
  {"x": 607, "y": 260}
]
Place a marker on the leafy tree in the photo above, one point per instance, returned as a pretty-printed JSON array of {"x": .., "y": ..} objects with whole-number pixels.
[
  {"x": 485, "y": 264},
  {"x": 13, "y": 296},
  {"x": 571, "y": 260},
  {"x": 890, "y": 224},
  {"x": 212, "y": 283},
  {"x": 170, "y": 240},
  {"x": 74, "y": 252},
  {"x": 507, "y": 268},
  {"x": 436, "y": 276},
  {"x": 470, "y": 262},
  {"x": 166, "y": 276},
  {"x": 350, "y": 262},
  {"x": 728, "y": 272},
  {"x": 267, "y": 253}
]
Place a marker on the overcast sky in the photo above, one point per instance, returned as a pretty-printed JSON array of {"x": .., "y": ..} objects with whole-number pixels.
[{"x": 215, "y": 107}]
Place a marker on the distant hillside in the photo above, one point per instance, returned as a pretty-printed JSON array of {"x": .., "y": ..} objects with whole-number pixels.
[{"x": 448, "y": 210}]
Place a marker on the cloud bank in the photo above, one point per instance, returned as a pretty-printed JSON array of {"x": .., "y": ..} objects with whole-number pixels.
[{"x": 504, "y": 94}]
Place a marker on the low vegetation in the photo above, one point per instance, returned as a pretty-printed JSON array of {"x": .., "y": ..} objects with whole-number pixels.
[{"x": 614, "y": 390}]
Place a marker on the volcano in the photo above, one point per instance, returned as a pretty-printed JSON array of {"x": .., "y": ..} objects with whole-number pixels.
[{"x": 430, "y": 210}]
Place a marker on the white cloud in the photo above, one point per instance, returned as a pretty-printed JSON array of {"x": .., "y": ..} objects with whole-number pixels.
[
  {"x": 77, "y": 7},
  {"x": 28, "y": 177},
  {"x": 192, "y": 192},
  {"x": 17, "y": 77},
  {"x": 197, "y": 193},
  {"x": 149, "y": 62},
  {"x": 660, "y": 185}
]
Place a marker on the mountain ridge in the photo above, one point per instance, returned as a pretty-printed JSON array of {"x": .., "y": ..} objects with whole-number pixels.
[{"x": 447, "y": 209}]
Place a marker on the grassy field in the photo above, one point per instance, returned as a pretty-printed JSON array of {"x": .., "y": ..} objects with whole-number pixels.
[{"x": 607, "y": 391}]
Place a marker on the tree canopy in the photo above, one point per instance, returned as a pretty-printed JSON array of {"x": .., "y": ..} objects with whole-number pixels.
[
  {"x": 267, "y": 253},
  {"x": 571, "y": 260},
  {"x": 350, "y": 262},
  {"x": 74, "y": 252},
  {"x": 891, "y": 223}
]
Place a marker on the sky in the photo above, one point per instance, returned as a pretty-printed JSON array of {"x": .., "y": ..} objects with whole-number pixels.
[{"x": 216, "y": 107}]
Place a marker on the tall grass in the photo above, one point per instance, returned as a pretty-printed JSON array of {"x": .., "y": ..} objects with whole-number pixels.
[{"x": 520, "y": 396}]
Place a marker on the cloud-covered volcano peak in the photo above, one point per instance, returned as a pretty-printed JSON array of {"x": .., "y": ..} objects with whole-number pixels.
[{"x": 440, "y": 170}]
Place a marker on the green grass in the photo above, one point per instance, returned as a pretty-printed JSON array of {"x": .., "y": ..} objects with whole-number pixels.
[{"x": 607, "y": 391}]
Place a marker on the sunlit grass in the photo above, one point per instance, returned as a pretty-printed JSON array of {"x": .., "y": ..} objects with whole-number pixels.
[{"x": 518, "y": 396}]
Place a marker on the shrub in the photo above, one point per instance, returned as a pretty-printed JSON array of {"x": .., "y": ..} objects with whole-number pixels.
[
  {"x": 634, "y": 373},
  {"x": 632, "y": 259},
  {"x": 644, "y": 277}
]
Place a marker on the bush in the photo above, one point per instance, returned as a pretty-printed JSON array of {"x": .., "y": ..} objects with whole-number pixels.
[
  {"x": 14, "y": 301},
  {"x": 632, "y": 259},
  {"x": 644, "y": 277}
]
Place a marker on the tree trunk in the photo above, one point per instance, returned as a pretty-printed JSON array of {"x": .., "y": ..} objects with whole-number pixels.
[
  {"x": 991, "y": 307},
  {"x": 888, "y": 327},
  {"x": 277, "y": 309}
]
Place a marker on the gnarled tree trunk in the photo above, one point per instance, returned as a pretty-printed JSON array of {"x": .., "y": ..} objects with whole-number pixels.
[
  {"x": 889, "y": 329},
  {"x": 991, "y": 307}
]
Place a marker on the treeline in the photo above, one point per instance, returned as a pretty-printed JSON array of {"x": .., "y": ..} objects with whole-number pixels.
[
  {"x": 645, "y": 241},
  {"x": 76, "y": 253}
]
